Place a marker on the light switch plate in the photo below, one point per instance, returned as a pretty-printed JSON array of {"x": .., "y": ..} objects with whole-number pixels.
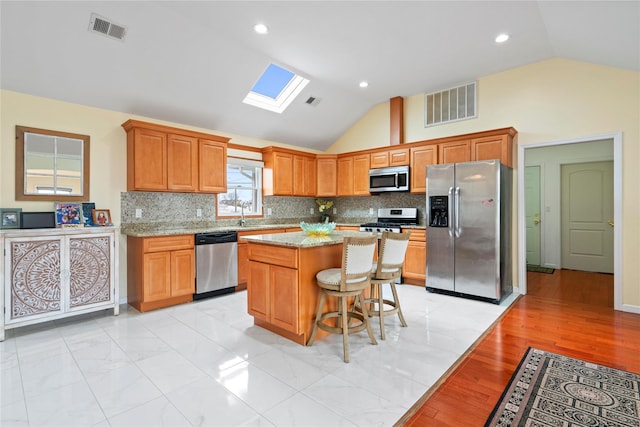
[
  {"x": 370, "y": 211},
  {"x": 269, "y": 211},
  {"x": 335, "y": 211},
  {"x": 311, "y": 211},
  {"x": 138, "y": 213},
  {"x": 199, "y": 213}
]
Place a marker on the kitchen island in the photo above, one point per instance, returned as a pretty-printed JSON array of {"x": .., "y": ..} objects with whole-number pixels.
[{"x": 282, "y": 291}]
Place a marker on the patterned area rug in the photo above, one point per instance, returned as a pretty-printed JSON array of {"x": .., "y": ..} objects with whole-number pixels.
[{"x": 548, "y": 389}]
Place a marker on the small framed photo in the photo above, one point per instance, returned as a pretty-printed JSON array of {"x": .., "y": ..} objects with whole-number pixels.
[
  {"x": 101, "y": 217},
  {"x": 10, "y": 217},
  {"x": 87, "y": 213},
  {"x": 68, "y": 214}
]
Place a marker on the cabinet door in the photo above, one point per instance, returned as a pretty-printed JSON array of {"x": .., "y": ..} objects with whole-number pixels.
[
  {"x": 149, "y": 159},
  {"x": 182, "y": 163},
  {"x": 304, "y": 176},
  {"x": 90, "y": 266},
  {"x": 345, "y": 176},
  {"x": 361, "y": 175},
  {"x": 243, "y": 263},
  {"x": 379, "y": 160},
  {"x": 283, "y": 174},
  {"x": 33, "y": 282},
  {"x": 491, "y": 147},
  {"x": 326, "y": 183},
  {"x": 415, "y": 263},
  {"x": 399, "y": 157},
  {"x": 454, "y": 152},
  {"x": 258, "y": 291},
  {"x": 420, "y": 159},
  {"x": 156, "y": 276},
  {"x": 283, "y": 295},
  {"x": 212, "y": 166},
  {"x": 182, "y": 272}
]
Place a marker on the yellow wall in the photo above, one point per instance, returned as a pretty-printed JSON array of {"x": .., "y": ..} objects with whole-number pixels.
[{"x": 550, "y": 100}]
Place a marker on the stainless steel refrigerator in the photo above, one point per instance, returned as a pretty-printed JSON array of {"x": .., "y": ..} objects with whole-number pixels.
[{"x": 469, "y": 229}]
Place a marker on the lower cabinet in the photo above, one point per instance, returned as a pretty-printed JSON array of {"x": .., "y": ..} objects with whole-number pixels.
[
  {"x": 415, "y": 262},
  {"x": 274, "y": 298},
  {"x": 243, "y": 253},
  {"x": 55, "y": 273},
  {"x": 161, "y": 271}
]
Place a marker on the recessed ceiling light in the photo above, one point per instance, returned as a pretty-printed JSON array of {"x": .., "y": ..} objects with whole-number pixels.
[
  {"x": 502, "y": 38},
  {"x": 364, "y": 84},
  {"x": 260, "y": 29}
]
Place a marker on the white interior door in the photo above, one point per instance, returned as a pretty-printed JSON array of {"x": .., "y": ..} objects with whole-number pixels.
[
  {"x": 532, "y": 213},
  {"x": 587, "y": 216}
]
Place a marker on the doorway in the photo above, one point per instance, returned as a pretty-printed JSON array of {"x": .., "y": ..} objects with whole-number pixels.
[{"x": 551, "y": 199}]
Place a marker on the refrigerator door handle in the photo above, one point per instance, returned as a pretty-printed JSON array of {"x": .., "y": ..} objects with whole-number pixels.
[
  {"x": 450, "y": 213},
  {"x": 456, "y": 207}
]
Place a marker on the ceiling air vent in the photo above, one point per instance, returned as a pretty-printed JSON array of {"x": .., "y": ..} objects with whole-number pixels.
[
  {"x": 312, "y": 100},
  {"x": 102, "y": 25}
]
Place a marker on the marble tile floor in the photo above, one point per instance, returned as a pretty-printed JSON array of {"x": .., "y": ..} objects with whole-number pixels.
[{"x": 205, "y": 363}]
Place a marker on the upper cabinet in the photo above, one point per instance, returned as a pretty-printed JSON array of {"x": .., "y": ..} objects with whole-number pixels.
[
  {"x": 163, "y": 158},
  {"x": 395, "y": 157},
  {"x": 327, "y": 175},
  {"x": 454, "y": 151},
  {"x": 421, "y": 157},
  {"x": 288, "y": 172}
]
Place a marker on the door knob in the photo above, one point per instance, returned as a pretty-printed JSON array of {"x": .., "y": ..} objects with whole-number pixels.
[
  {"x": 536, "y": 221},
  {"x": 610, "y": 223}
]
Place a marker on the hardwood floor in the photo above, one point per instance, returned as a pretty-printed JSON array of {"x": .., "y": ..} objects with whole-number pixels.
[{"x": 568, "y": 312}]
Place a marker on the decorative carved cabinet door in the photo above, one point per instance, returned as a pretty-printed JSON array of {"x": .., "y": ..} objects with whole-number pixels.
[
  {"x": 35, "y": 275},
  {"x": 90, "y": 271}
]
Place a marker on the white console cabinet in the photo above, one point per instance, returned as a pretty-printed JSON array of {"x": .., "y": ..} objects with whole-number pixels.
[{"x": 49, "y": 274}]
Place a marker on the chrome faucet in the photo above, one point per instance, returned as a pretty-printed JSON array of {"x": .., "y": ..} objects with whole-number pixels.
[{"x": 243, "y": 222}]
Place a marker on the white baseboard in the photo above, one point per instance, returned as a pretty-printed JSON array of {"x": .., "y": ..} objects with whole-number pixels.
[{"x": 631, "y": 308}]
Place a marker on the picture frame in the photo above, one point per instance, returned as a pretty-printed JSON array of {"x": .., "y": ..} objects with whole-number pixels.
[
  {"x": 87, "y": 213},
  {"x": 68, "y": 214},
  {"x": 101, "y": 217},
  {"x": 10, "y": 217}
]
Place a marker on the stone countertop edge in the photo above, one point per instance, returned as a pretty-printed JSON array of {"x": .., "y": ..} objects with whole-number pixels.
[
  {"x": 300, "y": 239},
  {"x": 166, "y": 231}
]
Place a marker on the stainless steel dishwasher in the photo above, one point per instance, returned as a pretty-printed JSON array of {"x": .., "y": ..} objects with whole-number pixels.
[{"x": 216, "y": 263}]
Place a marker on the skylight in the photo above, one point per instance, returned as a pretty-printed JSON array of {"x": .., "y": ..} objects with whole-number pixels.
[{"x": 275, "y": 89}]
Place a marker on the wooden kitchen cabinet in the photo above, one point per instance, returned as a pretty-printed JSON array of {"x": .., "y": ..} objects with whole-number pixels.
[
  {"x": 396, "y": 157},
  {"x": 454, "y": 152},
  {"x": 345, "y": 176},
  {"x": 182, "y": 163},
  {"x": 421, "y": 157},
  {"x": 212, "y": 166},
  {"x": 415, "y": 262},
  {"x": 361, "y": 166},
  {"x": 493, "y": 147},
  {"x": 164, "y": 158},
  {"x": 304, "y": 175},
  {"x": 326, "y": 173},
  {"x": 161, "y": 271}
]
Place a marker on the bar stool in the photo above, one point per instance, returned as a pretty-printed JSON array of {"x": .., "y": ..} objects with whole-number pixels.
[
  {"x": 350, "y": 280},
  {"x": 393, "y": 248}
]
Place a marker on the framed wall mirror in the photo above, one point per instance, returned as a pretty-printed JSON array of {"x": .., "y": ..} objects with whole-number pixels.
[{"x": 51, "y": 165}]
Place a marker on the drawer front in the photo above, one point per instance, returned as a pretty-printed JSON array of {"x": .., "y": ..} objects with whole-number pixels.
[
  {"x": 416, "y": 234},
  {"x": 274, "y": 255},
  {"x": 168, "y": 243}
]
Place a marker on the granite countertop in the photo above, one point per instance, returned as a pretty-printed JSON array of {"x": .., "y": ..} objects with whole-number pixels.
[
  {"x": 300, "y": 239},
  {"x": 153, "y": 230}
]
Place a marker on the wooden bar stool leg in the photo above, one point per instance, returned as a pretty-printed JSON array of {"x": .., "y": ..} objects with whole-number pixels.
[
  {"x": 345, "y": 328},
  {"x": 397, "y": 303},
  {"x": 365, "y": 315},
  {"x": 318, "y": 316},
  {"x": 381, "y": 310}
]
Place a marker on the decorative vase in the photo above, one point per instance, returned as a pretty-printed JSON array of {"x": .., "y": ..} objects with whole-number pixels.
[{"x": 325, "y": 218}]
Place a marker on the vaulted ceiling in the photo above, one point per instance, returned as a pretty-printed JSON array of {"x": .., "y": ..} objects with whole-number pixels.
[{"x": 192, "y": 62}]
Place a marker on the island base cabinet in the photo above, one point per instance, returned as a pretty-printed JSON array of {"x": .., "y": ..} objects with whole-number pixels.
[
  {"x": 52, "y": 274},
  {"x": 282, "y": 291}
]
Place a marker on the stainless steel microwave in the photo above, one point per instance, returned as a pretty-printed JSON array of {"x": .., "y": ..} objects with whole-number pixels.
[{"x": 389, "y": 179}]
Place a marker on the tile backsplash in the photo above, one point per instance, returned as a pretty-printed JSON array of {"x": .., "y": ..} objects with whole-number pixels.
[{"x": 181, "y": 208}]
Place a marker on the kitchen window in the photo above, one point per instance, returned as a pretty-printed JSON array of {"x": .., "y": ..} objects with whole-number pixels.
[{"x": 244, "y": 188}]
